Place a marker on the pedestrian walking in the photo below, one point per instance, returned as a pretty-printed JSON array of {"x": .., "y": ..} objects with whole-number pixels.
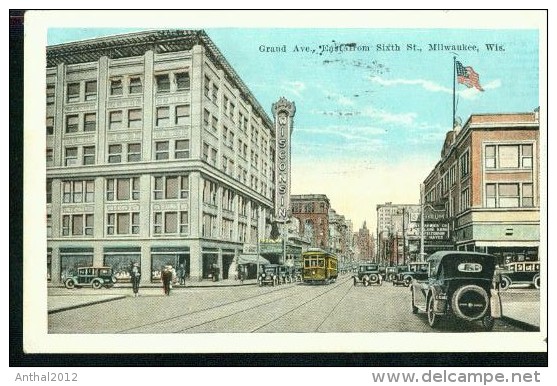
[
  {"x": 166, "y": 276},
  {"x": 135, "y": 276},
  {"x": 182, "y": 274}
]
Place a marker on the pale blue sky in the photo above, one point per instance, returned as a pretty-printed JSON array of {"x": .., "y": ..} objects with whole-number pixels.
[{"x": 370, "y": 125}]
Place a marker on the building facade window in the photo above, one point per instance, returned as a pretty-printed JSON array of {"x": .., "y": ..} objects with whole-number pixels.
[
  {"x": 114, "y": 153},
  {"x": 163, "y": 83},
  {"x": 89, "y": 122},
  {"x": 134, "y": 152},
  {"x": 50, "y": 93},
  {"x": 161, "y": 150},
  {"x": 48, "y": 190},
  {"x": 135, "y": 118},
  {"x": 209, "y": 225},
  {"x": 89, "y": 155},
  {"x": 70, "y": 158},
  {"x": 77, "y": 225},
  {"x": 508, "y": 156},
  {"x": 72, "y": 123},
  {"x": 182, "y": 115},
  {"x": 49, "y": 157},
  {"x": 170, "y": 222},
  {"x": 182, "y": 81},
  {"x": 182, "y": 149},
  {"x": 163, "y": 116},
  {"x": 464, "y": 164},
  {"x": 73, "y": 90},
  {"x": 171, "y": 187},
  {"x": 115, "y": 120},
  {"x": 49, "y": 125},
  {"x": 135, "y": 86},
  {"x": 122, "y": 189},
  {"x": 210, "y": 189},
  {"x": 91, "y": 90},
  {"x": 75, "y": 192},
  {"x": 465, "y": 199},
  {"x": 509, "y": 195},
  {"x": 122, "y": 223},
  {"x": 116, "y": 87}
]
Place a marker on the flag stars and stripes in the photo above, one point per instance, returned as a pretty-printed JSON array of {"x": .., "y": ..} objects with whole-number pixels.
[{"x": 467, "y": 76}]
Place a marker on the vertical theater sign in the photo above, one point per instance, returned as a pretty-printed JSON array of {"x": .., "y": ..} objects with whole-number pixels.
[{"x": 283, "y": 114}]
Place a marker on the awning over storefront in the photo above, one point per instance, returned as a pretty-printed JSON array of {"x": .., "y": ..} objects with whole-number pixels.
[{"x": 252, "y": 259}]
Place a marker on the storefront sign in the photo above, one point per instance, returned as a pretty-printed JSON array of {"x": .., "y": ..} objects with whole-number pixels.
[{"x": 283, "y": 112}]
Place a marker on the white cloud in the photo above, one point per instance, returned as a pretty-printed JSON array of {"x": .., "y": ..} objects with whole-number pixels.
[
  {"x": 425, "y": 84},
  {"x": 295, "y": 87},
  {"x": 469, "y": 93},
  {"x": 388, "y": 117}
]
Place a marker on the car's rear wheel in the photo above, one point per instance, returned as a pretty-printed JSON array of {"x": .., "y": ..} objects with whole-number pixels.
[
  {"x": 407, "y": 281},
  {"x": 414, "y": 308},
  {"x": 505, "y": 283},
  {"x": 470, "y": 302},
  {"x": 373, "y": 278},
  {"x": 432, "y": 318},
  {"x": 96, "y": 284},
  {"x": 69, "y": 283},
  {"x": 537, "y": 281}
]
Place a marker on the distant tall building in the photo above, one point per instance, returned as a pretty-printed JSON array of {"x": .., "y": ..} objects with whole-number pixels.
[
  {"x": 364, "y": 245},
  {"x": 157, "y": 152},
  {"x": 397, "y": 232}
]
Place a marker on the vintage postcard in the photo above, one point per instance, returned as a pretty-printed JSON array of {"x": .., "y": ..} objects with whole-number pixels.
[{"x": 285, "y": 181}]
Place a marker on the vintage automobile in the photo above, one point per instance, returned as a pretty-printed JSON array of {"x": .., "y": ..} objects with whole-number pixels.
[
  {"x": 392, "y": 272},
  {"x": 269, "y": 275},
  {"x": 96, "y": 277},
  {"x": 368, "y": 273},
  {"x": 285, "y": 274},
  {"x": 523, "y": 272},
  {"x": 414, "y": 270},
  {"x": 461, "y": 285}
]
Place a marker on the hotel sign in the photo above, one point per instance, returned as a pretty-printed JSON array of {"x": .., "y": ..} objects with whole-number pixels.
[{"x": 283, "y": 113}]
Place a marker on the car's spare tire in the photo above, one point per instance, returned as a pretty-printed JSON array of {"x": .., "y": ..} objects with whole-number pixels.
[{"x": 470, "y": 302}]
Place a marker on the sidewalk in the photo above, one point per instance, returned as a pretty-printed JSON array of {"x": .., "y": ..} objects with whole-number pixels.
[
  {"x": 62, "y": 299},
  {"x": 521, "y": 307}
]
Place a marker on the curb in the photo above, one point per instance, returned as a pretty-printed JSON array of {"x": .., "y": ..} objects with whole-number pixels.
[
  {"x": 520, "y": 324},
  {"x": 61, "y": 309}
]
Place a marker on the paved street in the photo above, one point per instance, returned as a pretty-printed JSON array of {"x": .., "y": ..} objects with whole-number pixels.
[{"x": 338, "y": 307}]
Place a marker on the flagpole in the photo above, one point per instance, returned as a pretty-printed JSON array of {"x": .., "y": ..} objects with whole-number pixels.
[{"x": 454, "y": 90}]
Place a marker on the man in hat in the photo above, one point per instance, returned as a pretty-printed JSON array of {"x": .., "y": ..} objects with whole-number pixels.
[
  {"x": 135, "y": 276},
  {"x": 166, "y": 276}
]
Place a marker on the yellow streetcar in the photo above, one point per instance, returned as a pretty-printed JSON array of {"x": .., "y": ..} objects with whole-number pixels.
[{"x": 319, "y": 266}]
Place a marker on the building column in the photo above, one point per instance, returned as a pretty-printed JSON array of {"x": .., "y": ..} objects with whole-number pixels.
[
  {"x": 58, "y": 151},
  {"x": 196, "y": 86},
  {"x": 102, "y": 88},
  {"x": 196, "y": 260},
  {"x": 55, "y": 264},
  {"x": 98, "y": 257},
  {"x": 145, "y": 264},
  {"x": 148, "y": 107}
]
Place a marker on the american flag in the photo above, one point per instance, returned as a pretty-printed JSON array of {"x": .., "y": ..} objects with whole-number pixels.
[{"x": 467, "y": 76}]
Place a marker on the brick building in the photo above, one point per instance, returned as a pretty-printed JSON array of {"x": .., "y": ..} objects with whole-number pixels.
[
  {"x": 488, "y": 181},
  {"x": 313, "y": 212}
]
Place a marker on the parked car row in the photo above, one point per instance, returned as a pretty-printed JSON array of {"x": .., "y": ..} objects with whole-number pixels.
[{"x": 275, "y": 274}]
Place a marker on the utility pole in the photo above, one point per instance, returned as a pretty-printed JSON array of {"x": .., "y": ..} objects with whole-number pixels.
[{"x": 422, "y": 222}]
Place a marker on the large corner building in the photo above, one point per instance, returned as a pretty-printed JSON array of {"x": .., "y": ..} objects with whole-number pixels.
[
  {"x": 157, "y": 153},
  {"x": 488, "y": 182}
]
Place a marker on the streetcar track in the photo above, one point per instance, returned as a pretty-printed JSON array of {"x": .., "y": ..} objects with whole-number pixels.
[
  {"x": 299, "y": 306},
  {"x": 334, "y": 308},
  {"x": 257, "y": 306},
  {"x": 176, "y": 317}
]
